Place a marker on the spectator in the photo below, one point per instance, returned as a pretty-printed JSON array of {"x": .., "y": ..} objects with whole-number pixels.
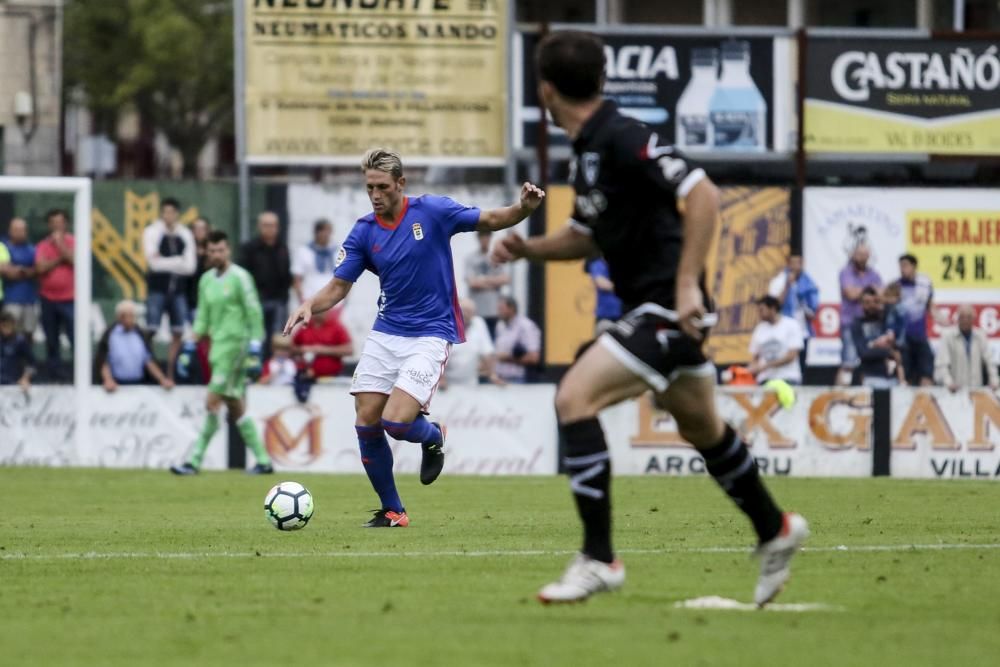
[
  {"x": 266, "y": 258},
  {"x": 124, "y": 354},
  {"x": 609, "y": 307},
  {"x": 200, "y": 229},
  {"x": 854, "y": 278},
  {"x": 964, "y": 355},
  {"x": 518, "y": 343},
  {"x": 280, "y": 369},
  {"x": 4, "y": 268},
  {"x": 323, "y": 343},
  {"x": 916, "y": 297},
  {"x": 797, "y": 294},
  {"x": 485, "y": 280},
  {"x": 54, "y": 268},
  {"x": 171, "y": 260},
  {"x": 472, "y": 361},
  {"x": 17, "y": 362},
  {"x": 874, "y": 342},
  {"x": 775, "y": 344},
  {"x": 312, "y": 267},
  {"x": 20, "y": 293}
]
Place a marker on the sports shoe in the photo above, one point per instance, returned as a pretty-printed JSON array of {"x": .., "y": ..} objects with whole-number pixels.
[
  {"x": 584, "y": 577},
  {"x": 184, "y": 469},
  {"x": 261, "y": 469},
  {"x": 387, "y": 519},
  {"x": 775, "y": 556},
  {"x": 432, "y": 460}
]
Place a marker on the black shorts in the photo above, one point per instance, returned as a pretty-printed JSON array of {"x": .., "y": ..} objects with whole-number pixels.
[{"x": 649, "y": 343}]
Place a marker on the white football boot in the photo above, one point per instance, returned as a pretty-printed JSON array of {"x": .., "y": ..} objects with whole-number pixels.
[
  {"x": 584, "y": 577},
  {"x": 775, "y": 556}
]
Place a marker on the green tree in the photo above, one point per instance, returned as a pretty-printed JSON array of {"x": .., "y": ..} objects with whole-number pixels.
[{"x": 170, "y": 60}]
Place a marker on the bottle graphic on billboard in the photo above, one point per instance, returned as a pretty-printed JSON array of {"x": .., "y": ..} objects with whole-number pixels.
[
  {"x": 737, "y": 110},
  {"x": 693, "y": 129}
]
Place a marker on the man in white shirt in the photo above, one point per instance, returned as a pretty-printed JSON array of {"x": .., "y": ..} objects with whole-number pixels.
[
  {"x": 312, "y": 266},
  {"x": 474, "y": 358},
  {"x": 775, "y": 344},
  {"x": 171, "y": 260}
]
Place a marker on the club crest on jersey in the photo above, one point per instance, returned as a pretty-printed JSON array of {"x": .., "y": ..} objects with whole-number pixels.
[
  {"x": 591, "y": 163},
  {"x": 418, "y": 231},
  {"x": 341, "y": 256}
]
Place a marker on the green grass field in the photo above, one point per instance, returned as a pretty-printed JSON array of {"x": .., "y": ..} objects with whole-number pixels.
[{"x": 139, "y": 568}]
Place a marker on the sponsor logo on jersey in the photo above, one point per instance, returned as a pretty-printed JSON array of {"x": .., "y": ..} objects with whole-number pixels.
[
  {"x": 418, "y": 231},
  {"x": 591, "y": 163},
  {"x": 341, "y": 256}
]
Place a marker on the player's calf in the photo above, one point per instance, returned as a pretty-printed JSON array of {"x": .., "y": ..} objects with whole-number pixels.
[{"x": 430, "y": 435}]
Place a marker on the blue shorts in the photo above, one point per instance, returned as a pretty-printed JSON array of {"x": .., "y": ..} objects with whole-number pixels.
[{"x": 174, "y": 305}]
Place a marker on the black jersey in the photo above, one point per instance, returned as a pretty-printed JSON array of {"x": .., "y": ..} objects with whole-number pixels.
[{"x": 627, "y": 186}]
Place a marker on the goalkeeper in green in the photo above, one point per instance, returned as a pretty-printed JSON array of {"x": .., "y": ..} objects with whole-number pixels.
[{"x": 229, "y": 313}]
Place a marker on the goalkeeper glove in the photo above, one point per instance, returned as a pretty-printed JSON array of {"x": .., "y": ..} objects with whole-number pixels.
[
  {"x": 184, "y": 359},
  {"x": 254, "y": 361}
]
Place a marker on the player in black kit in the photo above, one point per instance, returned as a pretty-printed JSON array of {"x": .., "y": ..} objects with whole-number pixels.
[{"x": 653, "y": 216}]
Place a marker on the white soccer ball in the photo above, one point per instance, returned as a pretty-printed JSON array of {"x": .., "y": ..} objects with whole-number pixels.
[{"x": 288, "y": 506}]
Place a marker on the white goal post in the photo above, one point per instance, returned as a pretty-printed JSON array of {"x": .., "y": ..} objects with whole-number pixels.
[{"x": 80, "y": 188}]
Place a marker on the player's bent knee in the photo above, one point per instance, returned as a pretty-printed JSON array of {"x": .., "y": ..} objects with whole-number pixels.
[
  {"x": 572, "y": 405},
  {"x": 701, "y": 430},
  {"x": 368, "y": 415},
  {"x": 368, "y": 418},
  {"x": 235, "y": 409}
]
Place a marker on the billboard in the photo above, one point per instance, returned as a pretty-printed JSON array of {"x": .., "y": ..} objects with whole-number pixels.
[
  {"x": 135, "y": 427},
  {"x": 701, "y": 93},
  {"x": 491, "y": 430},
  {"x": 953, "y": 233},
  {"x": 327, "y": 81},
  {"x": 939, "y": 434},
  {"x": 749, "y": 250},
  {"x": 902, "y": 96},
  {"x": 827, "y": 433}
]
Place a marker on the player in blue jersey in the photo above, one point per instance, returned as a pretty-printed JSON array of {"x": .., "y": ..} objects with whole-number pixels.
[{"x": 406, "y": 242}]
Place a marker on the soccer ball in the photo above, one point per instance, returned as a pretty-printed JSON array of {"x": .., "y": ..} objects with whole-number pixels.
[{"x": 288, "y": 506}]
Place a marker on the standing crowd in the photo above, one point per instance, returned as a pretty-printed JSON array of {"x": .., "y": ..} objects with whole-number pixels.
[
  {"x": 37, "y": 287},
  {"x": 884, "y": 327},
  {"x": 884, "y": 330}
]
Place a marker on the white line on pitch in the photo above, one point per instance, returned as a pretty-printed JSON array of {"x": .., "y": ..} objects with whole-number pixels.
[
  {"x": 714, "y": 602},
  {"x": 513, "y": 553}
]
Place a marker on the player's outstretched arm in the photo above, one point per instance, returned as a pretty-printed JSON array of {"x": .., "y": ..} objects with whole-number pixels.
[
  {"x": 497, "y": 219},
  {"x": 565, "y": 244},
  {"x": 332, "y": 293}
]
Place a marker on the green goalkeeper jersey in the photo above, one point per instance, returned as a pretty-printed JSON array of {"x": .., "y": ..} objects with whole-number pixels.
[{"x": 228, "y": 307}]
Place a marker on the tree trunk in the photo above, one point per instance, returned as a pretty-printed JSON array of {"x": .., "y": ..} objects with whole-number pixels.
[{"x": 190, "y": 149}]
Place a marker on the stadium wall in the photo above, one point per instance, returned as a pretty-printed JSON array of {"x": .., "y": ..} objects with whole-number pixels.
[{"x": 829, "y": 432}]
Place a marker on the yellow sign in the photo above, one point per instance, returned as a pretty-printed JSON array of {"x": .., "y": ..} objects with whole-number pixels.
[
  {"x": 327, "y": 80},
  {"x": 122, "y": 255},
  {"x": 569, "y": 292},
  {"x": 956, "y": 248},
  {"x": 838, "y": 128},
  {"x": 749, "y": 250}
]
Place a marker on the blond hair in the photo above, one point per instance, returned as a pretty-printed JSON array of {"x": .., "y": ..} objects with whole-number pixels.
[{"x": 382, "y": 159}]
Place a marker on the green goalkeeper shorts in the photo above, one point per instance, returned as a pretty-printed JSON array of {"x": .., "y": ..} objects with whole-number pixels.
[{"x": 229, "y": 376}]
